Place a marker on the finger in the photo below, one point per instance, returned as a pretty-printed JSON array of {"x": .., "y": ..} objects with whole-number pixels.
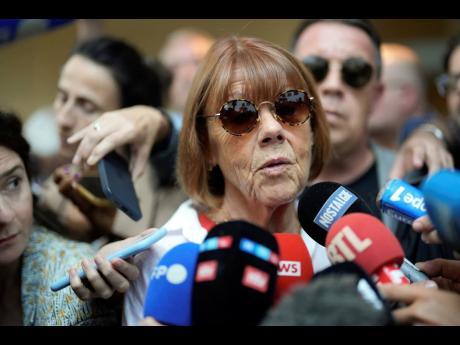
[
  {"x": 423, "y": 224},
  {"x": 400, "y": 293},
  {"x": 431, "y": 237},
  {"x": 149, "y": 321},
  {"x": 94, "y": 278},
  {"x": 130, "y": 271},
  {"x": 77, "y": 286},
  {"x": 65, "y": 185},
  {"x": 92, "y": 138},
  {"x": 429, "y": 284},
  {"x": 105, "y": 146},
  {"x": 449, "y": 269},
  {"x": 77, "y": 136},
  {"x": 116, "y": 280},
  {"x": 140, "y": 160},
  {"x": 404, "y": 316},
  {"x": 419, "y": 156}
]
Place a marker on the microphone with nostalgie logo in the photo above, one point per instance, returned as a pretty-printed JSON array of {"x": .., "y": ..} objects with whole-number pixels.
[{"x": 322, "y": 204}]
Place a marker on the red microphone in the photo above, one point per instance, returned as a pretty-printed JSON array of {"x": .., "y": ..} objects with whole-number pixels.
[
  {"x": 365, "y": 240},
  {"x": 295, "y": 264}
]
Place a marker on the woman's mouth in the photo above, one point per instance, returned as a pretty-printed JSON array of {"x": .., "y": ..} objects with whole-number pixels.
[
  {"x": 275, "y": 166},
  {"x": 7, "y": 239}
]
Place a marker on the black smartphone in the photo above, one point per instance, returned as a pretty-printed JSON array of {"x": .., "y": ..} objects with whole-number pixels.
[
  {"x": 416, "y": 177},
  {"x": 117, "y": 184},
  {"x": 89, "y": 187}
]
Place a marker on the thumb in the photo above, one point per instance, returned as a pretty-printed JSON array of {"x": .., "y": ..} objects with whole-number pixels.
[{"x": 139, "y": 161}]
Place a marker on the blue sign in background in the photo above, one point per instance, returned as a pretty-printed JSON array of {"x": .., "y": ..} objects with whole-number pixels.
[{"x": 14, "y": 29}]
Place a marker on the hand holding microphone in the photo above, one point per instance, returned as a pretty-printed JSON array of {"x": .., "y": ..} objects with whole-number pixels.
[{"x": 423, "y": 305}]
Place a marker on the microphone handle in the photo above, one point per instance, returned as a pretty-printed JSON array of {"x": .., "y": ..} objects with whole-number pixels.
[{"x": 412, "y": 272}]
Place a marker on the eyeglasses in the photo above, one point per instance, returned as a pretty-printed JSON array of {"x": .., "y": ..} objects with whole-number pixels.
[
  {"x": 240, "y": 116},
  {"x": 356, "y": 72},
  {"x": 447, "y": 82}
]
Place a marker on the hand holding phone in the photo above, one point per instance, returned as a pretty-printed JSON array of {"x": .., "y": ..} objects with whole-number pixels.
[{"x": 143, "y": 243}]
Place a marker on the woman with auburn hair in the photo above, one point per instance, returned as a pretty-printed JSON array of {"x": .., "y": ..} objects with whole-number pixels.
[{"x": 254, "y": 134}]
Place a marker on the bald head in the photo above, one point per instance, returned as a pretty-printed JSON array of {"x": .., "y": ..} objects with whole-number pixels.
[
  {"x": 182, "y": 52},
  {"x": 404, "y": 95},
  {"x": 402, "y": 64}
]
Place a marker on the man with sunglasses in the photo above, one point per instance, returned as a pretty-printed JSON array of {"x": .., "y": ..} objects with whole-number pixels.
[{"x": 344, "y": 58}]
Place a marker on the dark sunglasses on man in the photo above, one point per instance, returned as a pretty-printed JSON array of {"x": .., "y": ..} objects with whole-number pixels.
[
  {"x": 447, "y": 82},
  {"x": 355, "y": 71}
]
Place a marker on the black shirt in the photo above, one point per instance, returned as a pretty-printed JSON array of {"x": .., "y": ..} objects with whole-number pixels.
[{"x": 367, "y": 187}]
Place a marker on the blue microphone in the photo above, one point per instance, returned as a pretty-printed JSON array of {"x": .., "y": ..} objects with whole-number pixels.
[
  {"x": 442, "y": 198},
  {"x": 169, "y": 295}
]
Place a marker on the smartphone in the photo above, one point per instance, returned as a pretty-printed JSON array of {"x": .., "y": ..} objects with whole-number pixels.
[
  {"x": 416, "y": 177},
  {"x": 89, "y": 187},
  {"x": 143, "y": 243},
  {"x": 117, "y": 184}
]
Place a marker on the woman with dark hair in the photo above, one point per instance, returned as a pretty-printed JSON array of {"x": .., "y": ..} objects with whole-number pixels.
[
  {"x": 108, "y": 96},
  {"x": 31, "y": 257}
]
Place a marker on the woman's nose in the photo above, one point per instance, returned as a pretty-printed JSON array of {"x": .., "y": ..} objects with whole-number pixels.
[{"x": 271, "y": 130}]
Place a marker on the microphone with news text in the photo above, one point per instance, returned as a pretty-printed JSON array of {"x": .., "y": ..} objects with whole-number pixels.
[
  {"x": 322, "y": 204},
  {"x": 295, "y": 265},
  {"x": 341, "y": 295},
  {"x": 169, "y": 295},
  {"x": 235, "y": 277}
]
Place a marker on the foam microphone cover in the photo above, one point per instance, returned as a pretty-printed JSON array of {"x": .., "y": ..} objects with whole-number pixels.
[
  {"x": 342, "y": 295},
  {"x": 169, "y": 294},
  {"x": 322, "y": 204},
  {"x": 295, "y": 265},
  {"x": 236, "y": 274},
  {"x": 365, "y": 240}
]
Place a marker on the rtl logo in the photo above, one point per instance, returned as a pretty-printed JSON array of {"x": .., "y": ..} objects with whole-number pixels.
[{"x": 340, "y": 250}]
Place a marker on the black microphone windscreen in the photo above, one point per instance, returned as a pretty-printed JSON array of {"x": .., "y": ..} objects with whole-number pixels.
[
  {"x": 342, "y": 295},
  {"x": 322, "y": 204},
  {"x": 236, "y": 274}
]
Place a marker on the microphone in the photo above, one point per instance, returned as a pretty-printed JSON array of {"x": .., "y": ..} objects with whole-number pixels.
[
  {"x": 442, "y": 197},
  {"x": 295, "y": 265},
  {"x": 169, "y": 295},
  {"x": 365, "y": 240},
  {"x": 402, "y": 201},
  {"x": 322, "y": 204},
  {"x": 235, "y": 276},
  {"x": 341, "y": 295}
]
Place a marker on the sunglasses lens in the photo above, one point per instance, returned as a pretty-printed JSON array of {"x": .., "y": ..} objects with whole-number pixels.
[
  {"x": 293, "y": 107},
  {"x": 238, "y": 116},
  {"x": 317, "y": 66},
  {"x": 356, "y": 72}
]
